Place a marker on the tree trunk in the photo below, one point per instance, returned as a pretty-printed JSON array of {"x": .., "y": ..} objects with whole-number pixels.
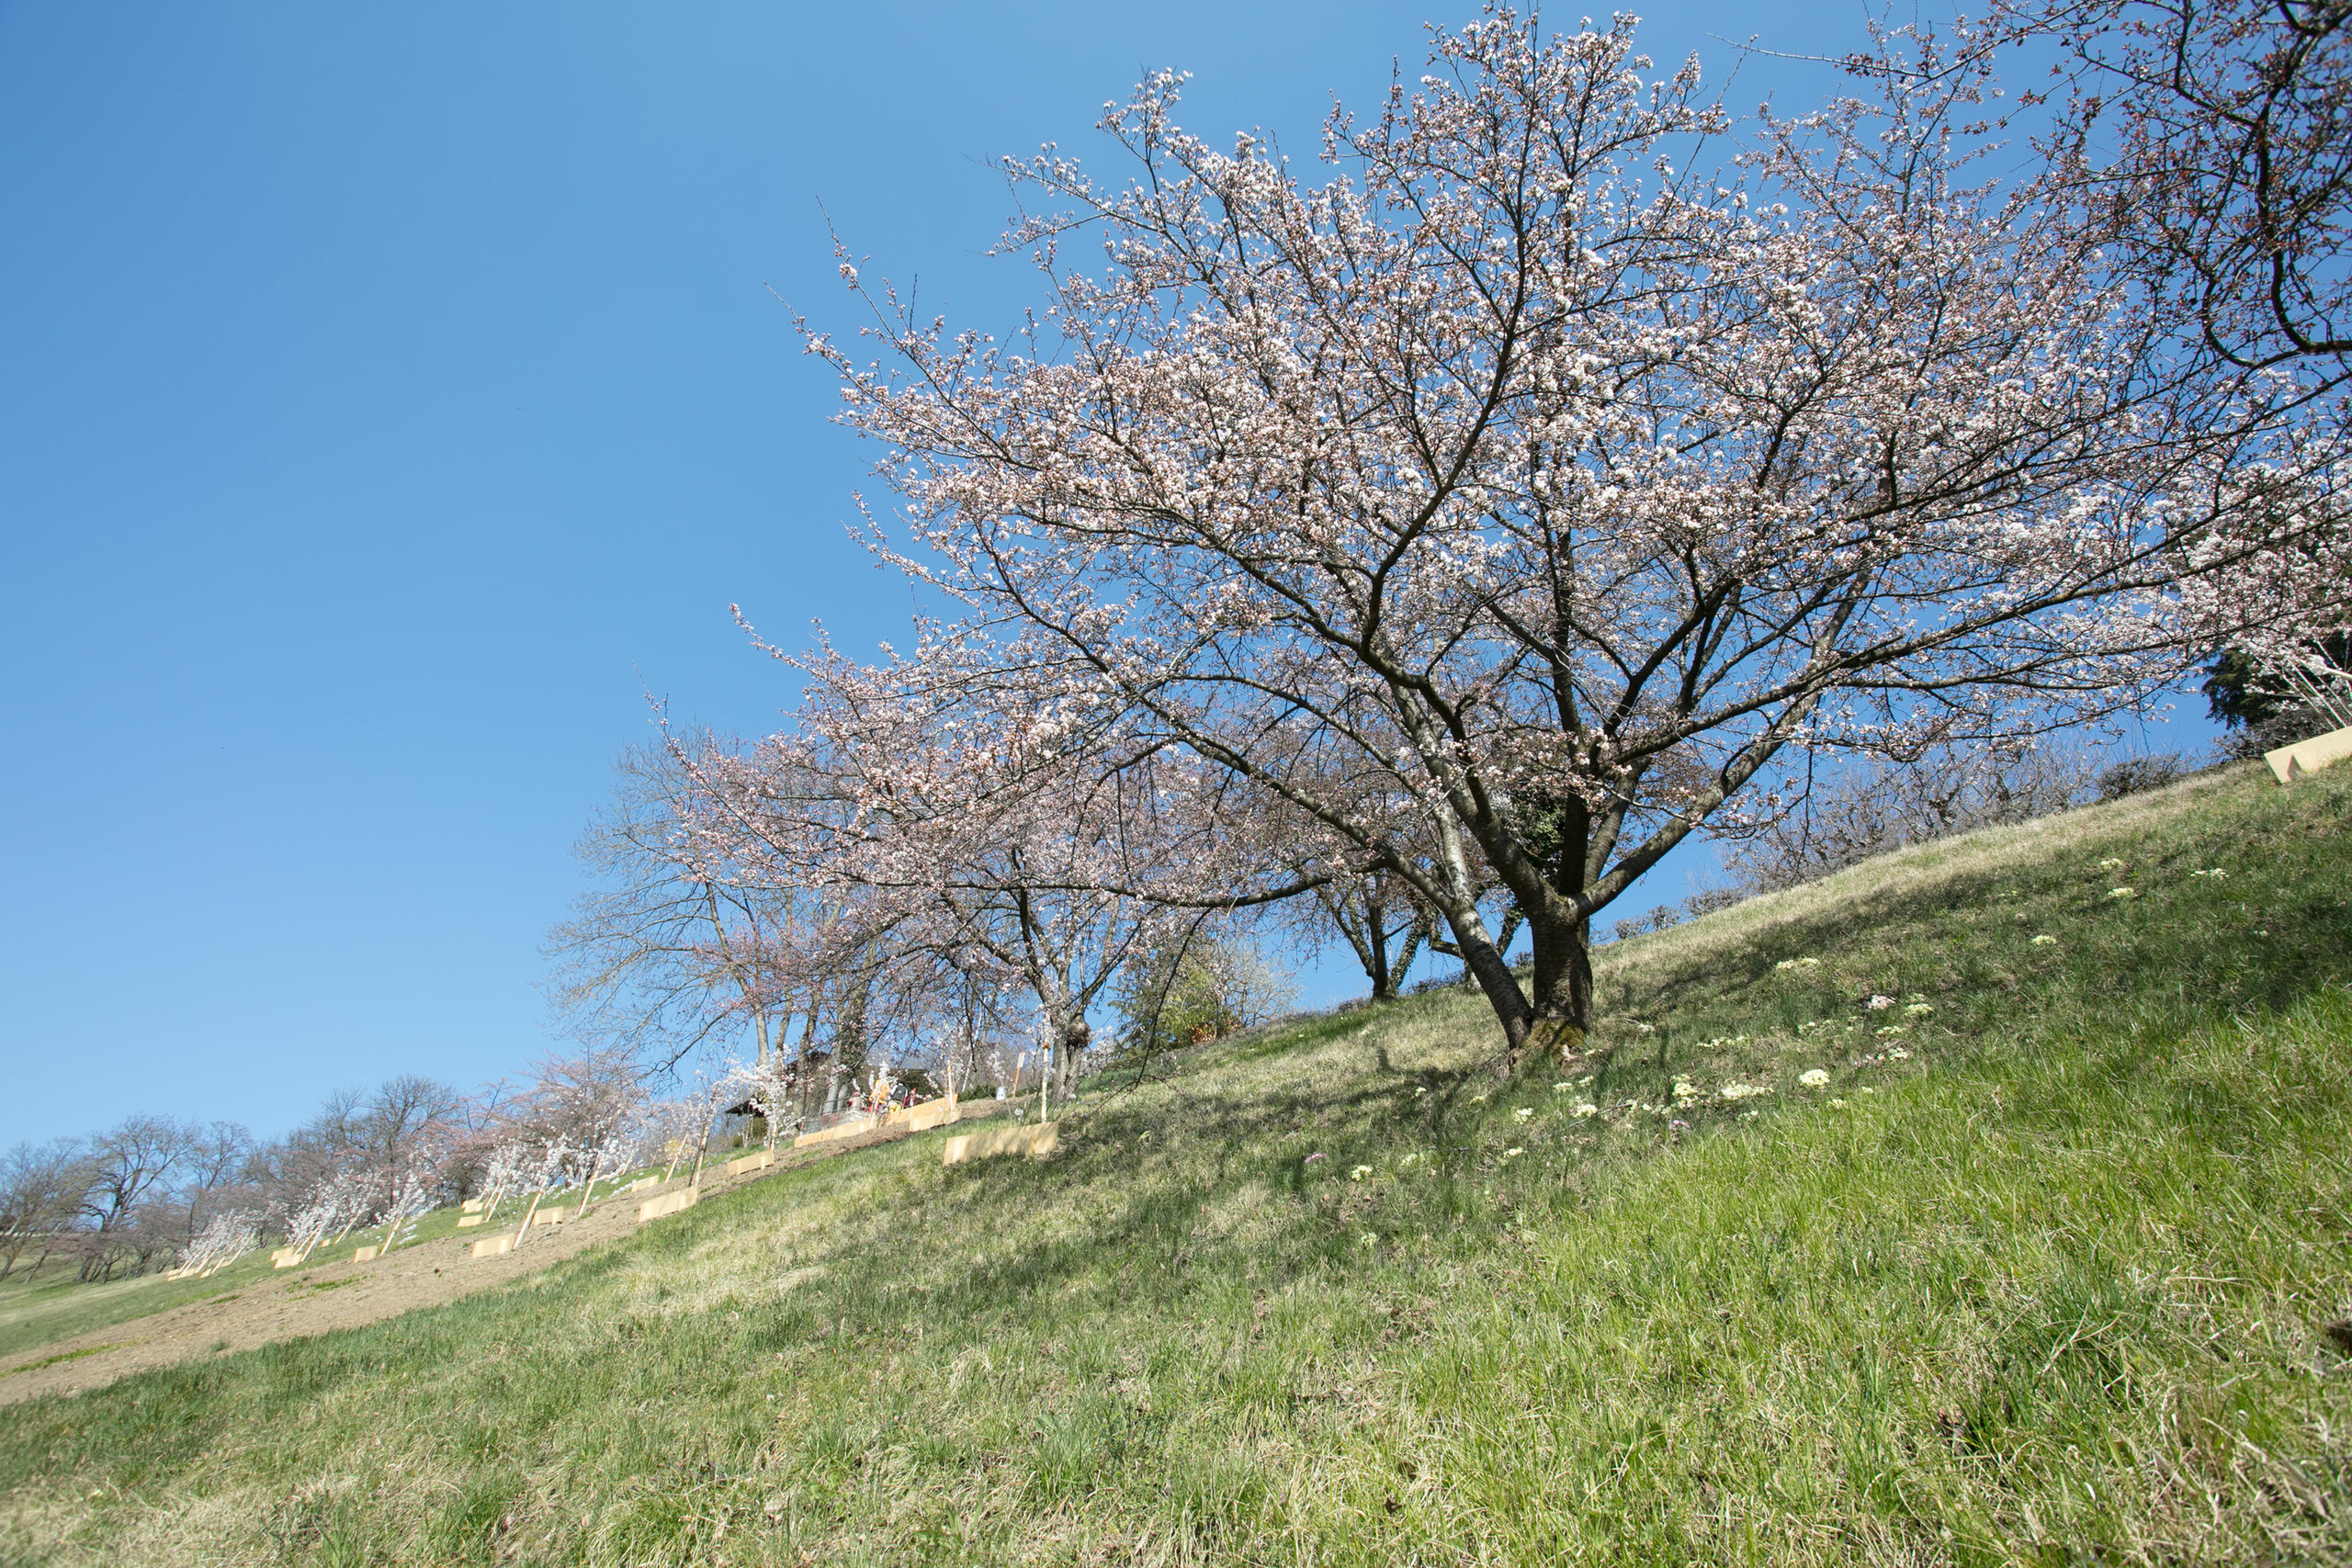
[
  {"x": 1562, "y": 988},
  {"x": 1543, "y": 1026}
]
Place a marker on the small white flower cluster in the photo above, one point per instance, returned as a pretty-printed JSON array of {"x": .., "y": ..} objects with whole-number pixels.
[
  {"x": 2110, "y": 865},
  {"x": 1360, "y": 1173},
  {"x": 2045, "y": 940},
  {"x": 1813, "y": 1078},
  {"x": 1880, "y": 1004},
  {"x": 1685, "y": 1091},
  {"x": 1513, "y": 1154},
  {"x": 2216, "y": 872},
  {"x": 1739, "y": 1091},
  {"x": 1522, "y": 1113},
  {"x": 2123, "y": 892},
  {"x": 1585, "y": 1108},
  {"x": 1898, "y": 1054},
  {"x": 1921, "y": 1010},
  {"x": 1786, "y": 965},
  {"x": 1892, "y": 1031}
]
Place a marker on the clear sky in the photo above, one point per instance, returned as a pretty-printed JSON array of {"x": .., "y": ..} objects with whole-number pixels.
[{"x": 389, "y": 399}]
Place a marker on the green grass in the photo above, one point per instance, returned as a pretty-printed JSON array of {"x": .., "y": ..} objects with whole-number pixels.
[
  {"x": 51, "y": 1306},
  {"x": 63, "y": 1356},
  {"x": 2049, "y": 1287}
]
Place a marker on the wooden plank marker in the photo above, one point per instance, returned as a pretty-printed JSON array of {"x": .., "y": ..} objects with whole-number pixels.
[
  {"x": 470, "y": 1206},
  {"x": 1036, "y": 1140},
  {"x": 853, "y": 1127},
  {"x": 668, "y": 1203},
  {"x": 932, "y": 1113},
  {"x": 493, "y": 1246},
  {"x": 366, "y": 1254},
  {"x": 467, "y": 1222},
  {"x": 2291, "y": 762},
  {"x": 759, "y": 1161}
]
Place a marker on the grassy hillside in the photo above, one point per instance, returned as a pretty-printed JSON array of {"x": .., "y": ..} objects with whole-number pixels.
[
  {"x": 2043, "y": 1272},
  {"x": 43, "y": 1307}
]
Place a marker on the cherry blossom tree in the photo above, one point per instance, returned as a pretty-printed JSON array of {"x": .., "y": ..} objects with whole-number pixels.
[
  {"x": 1542, "y": 487},
  {"x": 980, "y": 839},
  {"x": 219, "y": 1242},
  {"x": 664, "y": 951}
]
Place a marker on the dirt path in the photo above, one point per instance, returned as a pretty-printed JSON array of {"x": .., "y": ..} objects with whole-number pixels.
[{"x": 340, "y": 1294}]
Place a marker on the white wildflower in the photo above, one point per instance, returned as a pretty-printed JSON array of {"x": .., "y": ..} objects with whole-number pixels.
[
  {"x": 2216, "y": 871},
  {"x": 1585, "y": 1108},
  {"x": 2123, "y": 892},
  {"x": 1838, "y": 1102},
  {"x": 1898, "y": 1054},
  {"x": 1359, "y": 1173},
  {"x": 1921, "y": 1010},
  {"x": 2045, "y": 940},
  {"x": 1513, "y": 1154},
  {"x": 1738, "y": 1091},
  {"x": 1813, "y": 1078},
  {"x": 1522, "y": 1113},
  {"x": 2110, "y": 865},
  {"x": 1787, "y": 964},
  {"x": 1880, "y": 1004}
]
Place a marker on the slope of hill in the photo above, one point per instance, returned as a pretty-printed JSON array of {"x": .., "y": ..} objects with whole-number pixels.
[{"x": 2043, "y": 1266}]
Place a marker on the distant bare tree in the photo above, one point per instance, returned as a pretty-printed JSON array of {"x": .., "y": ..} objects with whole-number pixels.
[
  {"x": 128, "y": 1163},
  {"x": 212, "y": 1174},
  {"x": 408, "y": 1119},
  {"x": 41, "y": 1188},
  {"x": 1870, "y": 810}
]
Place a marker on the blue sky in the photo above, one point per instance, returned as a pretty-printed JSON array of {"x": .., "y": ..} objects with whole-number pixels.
[{"x": 391, "y": 397}]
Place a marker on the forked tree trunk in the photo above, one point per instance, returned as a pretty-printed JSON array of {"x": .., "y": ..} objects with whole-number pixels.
[{"x": 1544, "y": 1024}]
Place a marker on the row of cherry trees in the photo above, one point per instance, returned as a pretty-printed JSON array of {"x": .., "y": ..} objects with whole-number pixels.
[
  {"x": 1428, "y": 540},
  {"x": 151, "y": 1190}
]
